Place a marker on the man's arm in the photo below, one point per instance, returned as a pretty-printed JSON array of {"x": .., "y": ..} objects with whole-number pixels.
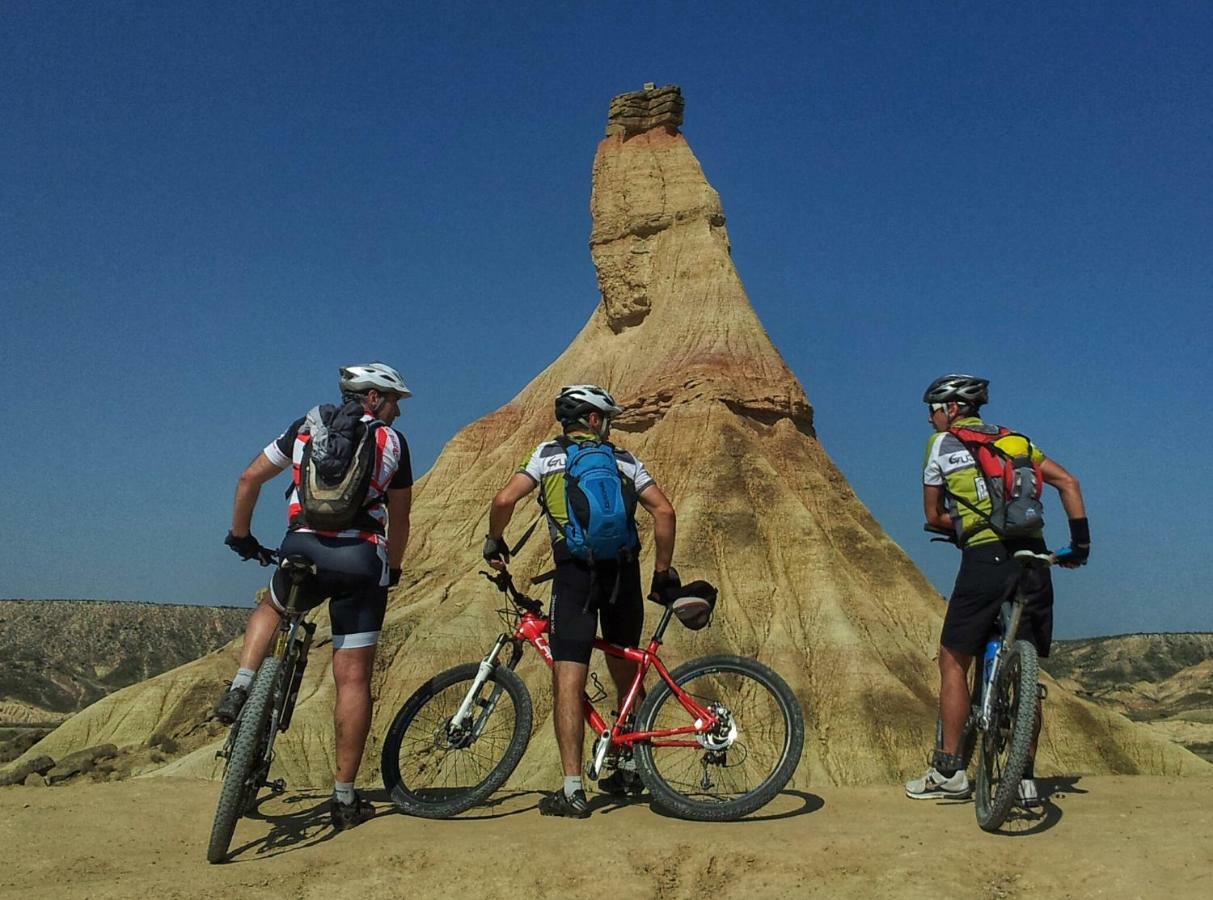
[
  {"x": 519, "y": 485},
  {"x": 248, "y": 489},
  {"x": 399, "y": 506},
  {"x": 664, "y": 525},
  {"x": 1067, "y": 486},
  {"x": 496, "y": 550},
  {"x": 933, "y": 507}
]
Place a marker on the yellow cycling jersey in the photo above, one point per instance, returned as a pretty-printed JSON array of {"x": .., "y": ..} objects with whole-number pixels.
[{"x": 950, "y": 465}]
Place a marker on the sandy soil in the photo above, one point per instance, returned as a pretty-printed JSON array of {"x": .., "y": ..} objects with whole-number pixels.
[{"x": 1099, "y": 837}]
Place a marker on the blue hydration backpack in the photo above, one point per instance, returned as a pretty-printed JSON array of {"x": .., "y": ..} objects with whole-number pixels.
[{"x": 601, "y": 503}]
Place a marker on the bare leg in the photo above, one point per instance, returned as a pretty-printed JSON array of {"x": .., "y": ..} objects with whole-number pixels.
[
  {"x": 257, "y": 635},
  {"x": 352, "y": 667},
  {"x": 953, "y": 696},
  {"x": 568, "y": 686},
  {"x": 623, "y": 671}
]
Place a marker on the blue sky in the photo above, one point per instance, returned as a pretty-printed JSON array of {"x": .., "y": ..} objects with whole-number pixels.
[{"x": 205, "y": 209}]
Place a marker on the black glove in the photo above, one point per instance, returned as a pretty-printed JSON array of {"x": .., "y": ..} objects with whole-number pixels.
[
  {"x": 249, "y": 548},
  {"x": 664, "y": 585},
  {"x": 1080, "y": 545},
  {"x": 393, "y": 577},
  {"x": 496, "y": 550}
]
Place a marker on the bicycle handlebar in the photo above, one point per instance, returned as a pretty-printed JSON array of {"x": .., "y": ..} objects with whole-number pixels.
[{"x": 504, "y": 582}]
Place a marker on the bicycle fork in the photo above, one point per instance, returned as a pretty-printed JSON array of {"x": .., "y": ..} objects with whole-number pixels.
[{"x": 471, "y": 699}]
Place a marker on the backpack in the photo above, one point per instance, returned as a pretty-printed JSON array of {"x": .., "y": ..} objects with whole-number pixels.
[
  {"x": 601, "y": 504},
  {"x": 336, "y": 469},
  {"x": 1013, "y": 483}
]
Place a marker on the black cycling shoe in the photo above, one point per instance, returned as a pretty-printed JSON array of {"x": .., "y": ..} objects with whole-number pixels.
[
  {"x": 230, "y": 704},
  {"x": 347, "y": 815},
  {"x": 558, "y": 803},
  {"x": 622, "y": 783}
]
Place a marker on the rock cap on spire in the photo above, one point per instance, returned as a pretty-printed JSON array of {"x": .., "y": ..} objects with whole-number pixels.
[{"x": 640, "y": 111}]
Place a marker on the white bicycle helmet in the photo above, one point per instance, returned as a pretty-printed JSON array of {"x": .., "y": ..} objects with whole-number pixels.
[
  {"x": 576, "y": 401},
  {"x": 376, "y": 375}
]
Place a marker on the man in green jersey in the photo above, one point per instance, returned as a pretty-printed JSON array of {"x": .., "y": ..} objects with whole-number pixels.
[
  {"x": 586, "y": 592},
  {"x": 956, "y": 499}
]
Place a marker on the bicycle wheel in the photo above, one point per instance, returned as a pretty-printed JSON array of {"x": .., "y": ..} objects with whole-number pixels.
[
  {"x": 243, "y": 775},
  {"x": 436, "y": 771},
  {"x": 740, "y": 766},
  {"x": 1005, "y": 744}
]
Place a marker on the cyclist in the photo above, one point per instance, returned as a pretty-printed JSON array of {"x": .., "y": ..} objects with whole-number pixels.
[
  {"x": 355, "y": 568},
  {"x": 954, "y": 497},
  {"x": 582, "y": 593}
]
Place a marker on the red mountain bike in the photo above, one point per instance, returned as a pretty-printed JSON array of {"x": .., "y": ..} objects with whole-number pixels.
[{"x": 715, "y": 740}]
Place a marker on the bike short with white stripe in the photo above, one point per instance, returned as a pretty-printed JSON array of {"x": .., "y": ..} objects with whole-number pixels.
[{"x": 351, "y": 574}]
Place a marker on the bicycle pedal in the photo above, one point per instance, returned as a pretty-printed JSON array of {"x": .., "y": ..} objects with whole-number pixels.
[{"x": 277, "y": 785}]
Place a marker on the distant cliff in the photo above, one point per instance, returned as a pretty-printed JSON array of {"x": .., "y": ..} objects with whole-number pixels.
[
  {"x": 1165, "y": 680},
  {"x": 60, "y": 656}
]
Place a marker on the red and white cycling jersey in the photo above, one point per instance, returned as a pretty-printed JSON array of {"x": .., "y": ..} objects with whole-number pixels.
[{"x": 393, "y": 470}]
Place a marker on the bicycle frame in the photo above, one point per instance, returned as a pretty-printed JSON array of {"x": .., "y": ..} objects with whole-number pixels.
[{"x": 532, "y": 629}]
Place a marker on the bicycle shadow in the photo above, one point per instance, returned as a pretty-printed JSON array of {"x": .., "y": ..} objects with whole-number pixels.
[
  {"x": 294, "y": 829},
  {"x": 808, "y": 803},
  {"x": 487, "y": 810},
  {"x": 1025, "y": 822}
]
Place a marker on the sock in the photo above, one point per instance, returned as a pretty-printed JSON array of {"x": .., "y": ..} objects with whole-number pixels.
[
  {"x": 1029, "y": 771},
  {"x": 572, "y": 783},
  {"x": 244, "y": 677},
  {"x": 946, "y": 773},
  {"x": 343, "y": 792}
]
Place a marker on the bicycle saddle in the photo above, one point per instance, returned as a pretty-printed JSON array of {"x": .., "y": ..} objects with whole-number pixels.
[
  {"x": 297, "y": 563},
  {"x": 1030, "y": 560}
]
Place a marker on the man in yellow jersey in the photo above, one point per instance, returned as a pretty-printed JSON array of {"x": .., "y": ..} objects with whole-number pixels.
[
  {"x": 956, "y": 498},
  {"x": 585, "y": 591}
]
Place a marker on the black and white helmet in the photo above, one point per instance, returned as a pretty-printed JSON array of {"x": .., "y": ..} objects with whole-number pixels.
[
  {"x": 967, "y": 390},
  {"x": 576, "y": 401},
  {"x": 378, "y": 376}
]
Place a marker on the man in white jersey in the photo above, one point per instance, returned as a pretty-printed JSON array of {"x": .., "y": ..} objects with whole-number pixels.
[{"x": 355, "y": 568}]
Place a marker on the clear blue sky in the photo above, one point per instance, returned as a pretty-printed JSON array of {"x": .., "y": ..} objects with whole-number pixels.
[{"x": 206, "y": 208}]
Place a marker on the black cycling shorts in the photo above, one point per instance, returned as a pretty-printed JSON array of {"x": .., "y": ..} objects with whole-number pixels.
[
  {"x": 581, "y": 597},
  {"x": 988, "y": 575},
  {"x": 351, "y": 573}
]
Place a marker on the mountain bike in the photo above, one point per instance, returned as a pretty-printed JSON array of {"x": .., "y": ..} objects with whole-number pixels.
[
  {"x": 715, "y": 740},
  {"x": 1003, "y": 712},
  {"x": 249, "y": 750}
]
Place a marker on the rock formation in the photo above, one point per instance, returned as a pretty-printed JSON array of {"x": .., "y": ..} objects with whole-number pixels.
[{"x": 809, "y": 581}]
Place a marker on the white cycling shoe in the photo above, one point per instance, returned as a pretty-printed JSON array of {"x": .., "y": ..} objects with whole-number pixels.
[
  {"x": 1028, "y": 795},
  {"x": 933, "y": 785}
]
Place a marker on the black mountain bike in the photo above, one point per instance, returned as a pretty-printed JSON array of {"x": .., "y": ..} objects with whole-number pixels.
[{"x": 249, "y": 750}]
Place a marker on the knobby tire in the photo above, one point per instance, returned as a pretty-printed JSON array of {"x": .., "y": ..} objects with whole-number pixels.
[
  {"x": 237, "y": 795},
  {"x": 1009, "y": 735},
  {"x": 680, "y": 798},
  {"x": 417, "y": 748}
]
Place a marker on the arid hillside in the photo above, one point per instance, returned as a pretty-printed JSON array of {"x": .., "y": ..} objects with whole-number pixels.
[
  {"x": 63, "y": 655},
  {"x": 1162, "y": 680}
]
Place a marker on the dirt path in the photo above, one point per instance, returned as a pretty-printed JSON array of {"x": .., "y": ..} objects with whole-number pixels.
[{"x": 1105, "y": 837}]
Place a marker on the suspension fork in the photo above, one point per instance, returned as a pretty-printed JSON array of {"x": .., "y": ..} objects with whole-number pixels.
[{"x": 483, "y": 673}]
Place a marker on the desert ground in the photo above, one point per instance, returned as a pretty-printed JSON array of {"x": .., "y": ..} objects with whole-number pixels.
[{"x": 1098, "y": 836}]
